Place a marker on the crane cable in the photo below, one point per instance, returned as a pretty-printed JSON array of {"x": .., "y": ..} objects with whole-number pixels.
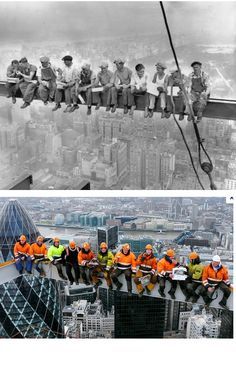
[{"x": 207, "y": 167}]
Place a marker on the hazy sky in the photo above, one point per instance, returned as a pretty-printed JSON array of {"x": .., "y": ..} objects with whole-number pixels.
[{"x": 38, "y": 21}]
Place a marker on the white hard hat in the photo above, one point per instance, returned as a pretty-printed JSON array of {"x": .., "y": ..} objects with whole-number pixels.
[{"x": 216, "y": 258}]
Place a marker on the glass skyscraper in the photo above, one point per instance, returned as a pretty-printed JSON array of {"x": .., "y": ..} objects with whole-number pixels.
[
  {"x": 14, "y": 221},
  {"x": 30, "y": 308}
]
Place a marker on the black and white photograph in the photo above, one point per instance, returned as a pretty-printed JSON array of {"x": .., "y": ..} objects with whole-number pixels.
[{"x": 118, "y": 95}]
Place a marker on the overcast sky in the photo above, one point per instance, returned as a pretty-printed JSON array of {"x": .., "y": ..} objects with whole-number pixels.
[{"x": 36, "y": 21}]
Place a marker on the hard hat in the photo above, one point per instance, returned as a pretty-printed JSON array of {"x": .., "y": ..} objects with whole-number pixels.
[
  {"x": 67, "y": 58},
  {"x": 103, "y": 245},
  {"x": 216, "y": 258},
  {"x": 86, "y": 245},
  {"x": 23, "y": 237},
  {"x": 40, "y": 238},
  {"x": 72, "y": 244},
  {"x": 170, "y": 252},
  {"x": 56, "y": 240},
  {"x": 148, "y": 246},
  {"x": 161, "y": 65},
  {"x": 44, "y": 59},
  {"x": 193, "y": 255},
  {"x": 126, "y": 246},
  {"x": 103, "y": 65}
]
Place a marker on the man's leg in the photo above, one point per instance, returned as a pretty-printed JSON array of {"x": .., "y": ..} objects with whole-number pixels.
[
  {"x": 153, "y": 281},
  {"x": 128, "y": 277},
  {"x": 172, "y": 288},
  {"x": 23, "y": 86},
  {"x": 58, "y": 99},
  {"x": 19, "y": 265},
  {"x": 29, "y": 264},
  {"x": 114, "y": 95},
  {"x": 74, "y": 98},
  {"x": 152, "y": 101},
  {"x": 29, "y": 93},
  {"x": 83, "y": 271},
  {"x": 43, "y": 92},
  {"x": 77, "y": 272},
  {"x": 114, "y": 277},
  {"x": 68, "y": 99},
  {"x": 107, "y": 277},
  {"x": 89, "y": 100},
  {"x": 226, "y": 293},
  {"x": 68, "y": 273},
  {"x": 137, "y": 282},
  {"x": 162, "y": 284},
  {"x": 52, "y": 90}
]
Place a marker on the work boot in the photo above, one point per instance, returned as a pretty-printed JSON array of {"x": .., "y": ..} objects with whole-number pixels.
[
  {"x": 172, "y": 294},
  {"x": 86, "y": 282},
  {"x": 68, "y": 108},
  {"x": 141, "y": 293},
  {"x": 71, "y": 283},
  {"x": 187, "y": 298},
  {"x": 146, "y": 112},
  {"x": 113, "y": 109},
  {"x": 199, "y": 116},
  {"x": 181, "y": 116},
  {"x": 167, "y": 114},
  {"x": 97, "y": 106},
  {"x": 108, "y": 108},
  {"x": 25, "y": 105},
  {"x": 207, "y": 300},
  {"x": 189, "y": 118},
  {"x": 21, "y": 271},
  {"x": 89, "y": 111},
  {"x": 98, "y": 283},
  {"x": 118, "y": 285},
  {"x": 8, "y": 96},
  {"x": 150, "y": 113},
  {"x": 163, "y": 114},
  {"x": 223, "y": 303},
  {"x": 125, "y": 109},
  {"x": 57, "y": 106},
  {"x": 110, "y": 287},
  {"x": 29, "y": 271},
  {"x": 194, "y": 299},
  {"x": 161, "y": 292},
  {"x": 74, "y": 107},
  {"x": 131, "y": 111},
  {"x": 13, "y": 100},
  {"x": 45, "y": 103}
]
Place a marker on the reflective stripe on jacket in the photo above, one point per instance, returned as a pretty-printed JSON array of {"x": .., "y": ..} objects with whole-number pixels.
[
  {"x": 210, "y": 276},
  {"x": 35, "y": 249},
  {"x": 85, "y": 256},
  {"x": 147, "y": 264},
  {"x": 163, "y": 267},
  {"x": 125, "y": 261},
  {"x": 18, "y": 248}
]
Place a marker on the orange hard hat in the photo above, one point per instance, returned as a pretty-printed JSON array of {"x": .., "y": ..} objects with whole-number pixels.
[
  {"x": 148, "y": 246},
  {"x": 86, "y": 245},
  {"x": 72, "y": 244},
  {"x": 23, "y": 237},
  {"x": 56, "y": 240},
  {"x": 170, "y": 252},
  {"x": 126, "y": 246},
  {"x": 193, "y": 255},
  {"x": 40, "y": 238},
  {"x": 103, "y": 245}
]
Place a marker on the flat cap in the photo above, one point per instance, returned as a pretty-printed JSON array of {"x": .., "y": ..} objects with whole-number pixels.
[
  {"x": 23, "y": 60},
  {"x": 119, "y": 60},
  {"x": 67, "y": 58},
  {"x": 161, "y": 64},
  {"x": 196, "y": 63},
  {"x": 44, "y": 59}
]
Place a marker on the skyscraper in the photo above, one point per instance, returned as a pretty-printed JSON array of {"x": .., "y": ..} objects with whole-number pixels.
[
  {"x": 15, "y": 221},
  {"x": 109, "y": 235}
]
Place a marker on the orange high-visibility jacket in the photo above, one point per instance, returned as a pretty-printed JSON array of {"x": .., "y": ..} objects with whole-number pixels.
[
  {"x": 163, "y": 267},
  {"x": 148, "y": 265},
  {"x": 210, "y": 276},
  {"x": 83, "y": 257},
  {"x": 21, "y": 248},
  {"x": 125, "y": 261},
  {"x": 36, "y": 250}
]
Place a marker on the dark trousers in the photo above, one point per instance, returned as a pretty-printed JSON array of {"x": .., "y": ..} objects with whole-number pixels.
[
  {"x": 128, "y": 277},
  {"x": 225, "y": 289},
  {"x": 137, "y": 92},
  {"x": 47, "y": 92},
  {"x": 85, "y": 273},
  {"x": 28, "y": 91},
  {"x": 127, "y": 97},
  {"x": 12, "y": 88},
  {"x": 193, "y": 289},
  {"x": 68, "y": 92},
  {"x": 69, "y": 267},
  {"x": 102, "y": 97},
  {"x": 87, "y": 94}
]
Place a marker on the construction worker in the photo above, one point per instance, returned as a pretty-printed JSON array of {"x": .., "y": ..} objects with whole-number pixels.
[
  {"x": 28, "y": 81},
  {"x": 56, "y": 255},
  {"x": 164, "y": 271},
  {"x": 194, "y": 281},
  {"x": 121, "y": 85},
  {"x": 199, "y": 89},
  {"x": 147, "y": 264},
  {"x": 22, "y": 254},
  {"x": 103, "y": 79},
  {"x": 39, "y": 251},
  {"x": 105, "y": 260},
  {"x": 67, "y": 78},
  {"x": 12, "y": 88},
  {"x": 174, "y": 80},
  {"x": 72, "y": 262},
  {"x": 215, "y": 275},
  {"x": 139, "y": 81},
  {"x": 85, "y": 256},
  {"x": 125, "y": 262},
  {"x": 160, "y": 80},
  {"x": 86, "y": 82},
  {"x": 47, "y": 80}
]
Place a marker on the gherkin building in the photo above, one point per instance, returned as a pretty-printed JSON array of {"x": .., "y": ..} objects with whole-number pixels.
[{"x": 14, "y": 221}]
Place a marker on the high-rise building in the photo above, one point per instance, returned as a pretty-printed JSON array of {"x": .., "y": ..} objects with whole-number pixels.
[
  {"x": 30, "y": 308},
  {"x": 202, "y": 325},
  {"x": 110, "y": 235},
  {"x": 81, "y": 292},
  {"x": 15, "y": 221},
  {"x": 226, "y": 328},
  {"x": 139, "y": 318}
]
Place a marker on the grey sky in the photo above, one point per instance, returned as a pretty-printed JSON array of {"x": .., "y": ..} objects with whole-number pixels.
[{"x": 39, "y": 21}]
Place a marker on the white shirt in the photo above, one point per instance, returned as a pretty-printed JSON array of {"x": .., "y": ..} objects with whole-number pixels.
[
  {"x": 138, "y": 82},
  {"x": 69, "y": 74}
]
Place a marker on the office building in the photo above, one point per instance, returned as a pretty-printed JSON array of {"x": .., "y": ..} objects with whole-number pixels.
[{"x": 110, "y": 235}]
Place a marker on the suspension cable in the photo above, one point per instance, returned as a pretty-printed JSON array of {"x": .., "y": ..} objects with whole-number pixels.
[{"x": 207, "y": 167}]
